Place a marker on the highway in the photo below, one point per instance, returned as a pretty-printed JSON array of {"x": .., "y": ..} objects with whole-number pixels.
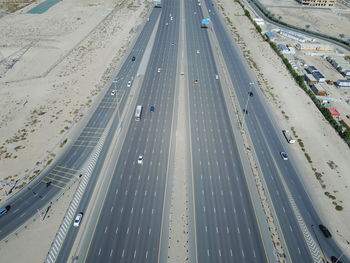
[
  {"x": 129, "y": 227},
  {"x": 39, "y": 193},
  {"x": 267, "y": 140},
  {"x": 226, "y": 226}
]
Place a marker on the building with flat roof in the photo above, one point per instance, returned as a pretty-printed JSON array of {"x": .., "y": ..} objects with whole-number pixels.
[
  {"x": 319, "y": 90},
  {"x": 343, "y": 83},
  {"x": 341, "y": 65},
  {"x": 334, "y": 111},
  {"x": 318, "y": 76},
  {"x": 286, "y": 50},
  {"x": 317, "y": 3},
  {"x": 293, "y": 35},
  {"x": 270, "y": 35},
  {"x": 313, "y": 47}
]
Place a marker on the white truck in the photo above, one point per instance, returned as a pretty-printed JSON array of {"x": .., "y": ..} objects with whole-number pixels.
[
  {"x": 157, "y": 3},
  {"x": 288, "y": 137}
]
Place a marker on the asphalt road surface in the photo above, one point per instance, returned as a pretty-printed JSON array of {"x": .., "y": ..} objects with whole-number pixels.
[
  {"x": 268, "y": 142},
  {"x": 226, "y": 226},
  {"x": 129, "y": 228}
]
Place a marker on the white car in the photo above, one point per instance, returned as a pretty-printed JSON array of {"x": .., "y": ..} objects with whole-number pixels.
[
  {"x": 77, "y": 219},
  {"x": 140, "y": 159},
  {"x": 158, "y": 70},
  {"x": 166, "y": 24},
  {"x": 197, "y": 51},
  {"x": 129, "y": 84},
  {"x": 113, "y": 92},
  {"x": 216, "y": 76}
]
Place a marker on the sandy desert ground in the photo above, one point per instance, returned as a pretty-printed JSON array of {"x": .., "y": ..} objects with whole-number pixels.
[
  {"x": 326, "y": 21},
  {"x": 53, "y": 67},
  {"x": 326, "y": 177}
]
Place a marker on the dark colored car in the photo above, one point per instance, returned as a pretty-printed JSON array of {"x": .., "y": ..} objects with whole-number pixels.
[
  {"x": 133, "y": 58},
  {"x": 325, "y": 231},
  {"x": 151, "y": 109},
  {"x": 250, "y": 94},
  {"x": 335, "y": 259}
]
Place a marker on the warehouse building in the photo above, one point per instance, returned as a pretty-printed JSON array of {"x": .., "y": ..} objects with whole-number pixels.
[
  {"x": 317, "y": 3},
  {"x": 318, "y": 76},
  {"x": 311, "y": 69},
  {"x": 313, "y": 47},
  {"x": 270, "y": 35},
  {"x": 294, "y": 36},
  {"x": 334, "y": 111},
  {"x": 310, "y": 79},
  {"x": 286, "y": 50},
  {"x": 319, "y": 90},
  {"x": 343, "y": 83},
  {"x": 341, "y": 65}
]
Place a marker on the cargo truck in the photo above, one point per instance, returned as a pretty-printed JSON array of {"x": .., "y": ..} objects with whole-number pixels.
[{"x": 288, "y": 137}]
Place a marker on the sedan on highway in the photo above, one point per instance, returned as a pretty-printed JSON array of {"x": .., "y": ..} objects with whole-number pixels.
[
  {"x": 113, "y": 92},
  {"x": 151, "y": 109},
  {"x": 196, "y": 81},
  {"x": 129, "y": 84},
  {"x": 158, "y": 70},
  {"x": 140, "y": 159},
  {"x": 77, "y": 219},
  {"x": 133, "y": 58},
  {"x": 284, "y": 155}
]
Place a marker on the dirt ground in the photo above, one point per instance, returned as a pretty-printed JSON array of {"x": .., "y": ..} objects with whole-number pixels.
[
  {"x": 326, "y": 174},
  {"x": 327, "y": 21},
  {"x": 53, "y": 65}
]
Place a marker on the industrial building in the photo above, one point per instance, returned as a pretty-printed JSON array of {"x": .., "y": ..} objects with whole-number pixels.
[
  {"x": 270, "y": 35},
  {"x": 341, "y": 65},
  {"x": 318, "y": 76},
  {"x": 317, "y": 3},
  {"x": 319, "y": 90},
  {"x": 313, "y": 47},
  {"x": 310, "y": 80},
  {"x": 311, "y": 69},
  {"x": 334, "y": 111},
  {"x": 343, "y": 83},
  {"x": 286, "y": 50},
  {"x": 294, "y": 36}
]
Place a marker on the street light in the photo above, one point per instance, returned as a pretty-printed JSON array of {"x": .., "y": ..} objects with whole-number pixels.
[{"x": 250, "y": 93}]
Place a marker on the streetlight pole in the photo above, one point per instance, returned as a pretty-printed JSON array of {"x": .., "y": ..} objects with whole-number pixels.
[{"x": 245, "y": 110}]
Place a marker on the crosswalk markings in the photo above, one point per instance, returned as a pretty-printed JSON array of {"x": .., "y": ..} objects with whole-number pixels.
[
  {"x": 86, "y": 141},
  {"x": 88, "y": 136},
  {"x": 64, "y": 172},
  {"x": 93, "y": 127},
  {"x": 67, "y": 168},
  {"x": 52, "y": 184},
  {"x": 97, "y": 132},
  {"x": 56, "y": 180},
  {"x": 59, "y": 175},
  {"x": 86, "y": 146}
]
